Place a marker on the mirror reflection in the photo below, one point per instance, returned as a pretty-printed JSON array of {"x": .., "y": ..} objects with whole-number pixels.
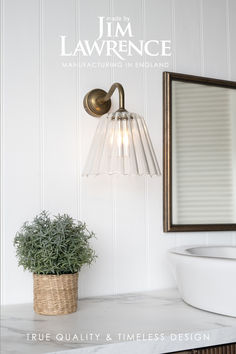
[{"x": 203, "y": 153}]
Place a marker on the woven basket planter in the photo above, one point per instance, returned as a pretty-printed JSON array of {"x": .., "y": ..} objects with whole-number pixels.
[{"x": 55, "y": 294}]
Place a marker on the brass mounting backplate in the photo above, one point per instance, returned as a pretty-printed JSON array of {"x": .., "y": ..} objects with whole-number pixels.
[{"x": 93, "y": 105}]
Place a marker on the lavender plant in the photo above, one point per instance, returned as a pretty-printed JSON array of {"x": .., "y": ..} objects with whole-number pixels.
[{"x": 58, "y": 245}]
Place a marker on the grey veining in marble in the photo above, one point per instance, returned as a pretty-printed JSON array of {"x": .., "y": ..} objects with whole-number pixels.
[{"x": 151, "y": 322}]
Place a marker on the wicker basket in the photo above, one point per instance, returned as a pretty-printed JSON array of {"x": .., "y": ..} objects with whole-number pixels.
[{"x": 55, "y": 294}]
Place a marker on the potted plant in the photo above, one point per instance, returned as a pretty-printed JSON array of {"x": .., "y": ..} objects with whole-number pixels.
[{"x": 54, "y": 250}]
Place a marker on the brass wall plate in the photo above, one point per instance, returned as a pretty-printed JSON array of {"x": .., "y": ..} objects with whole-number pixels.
[{"x": 93, "y": 105}]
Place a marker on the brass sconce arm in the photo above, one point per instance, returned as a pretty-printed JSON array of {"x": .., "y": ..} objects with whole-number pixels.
[
  {"x": 120, "y": 88},
  {"x": 98, "y": 102}
]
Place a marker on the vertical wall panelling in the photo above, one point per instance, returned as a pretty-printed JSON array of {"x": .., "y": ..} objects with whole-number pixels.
[
  {"x": 201, "y": 29},
  {"x": 78, "y": 117},
  {"x": 187, "y": 38},
  {"x": 202, "y": 60},
  {"x": 157, "y": 26},
  {"x": 46, "y": 132},
  {"x": 231, "y": 8},
  {"x": 146, "y": 178},
  {"x": 216, "y": 51},
  {"x": 173, "y": 56},
  {"x": 215, "y": 38},
  {"x": 130, "y": 201},
  {"x": 228, "y": 60},
  {"x": 231, "y": 30},
  {"x": 41, "y": 101},
  {"x": 115, "y": 262},
  {"x": 3, "y": 262},
  {"x": 21, "y": 175},
  {"x": 228, "y": 38},
  {"x": 96, "y": 192},
  {"x": 59, "y": 109}
]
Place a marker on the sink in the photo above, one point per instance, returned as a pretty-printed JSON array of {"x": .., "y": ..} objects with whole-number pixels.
[{"x": 206, "y": 277}]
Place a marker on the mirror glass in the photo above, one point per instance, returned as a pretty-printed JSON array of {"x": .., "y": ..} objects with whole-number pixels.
[{"x": 203, "y": 153}]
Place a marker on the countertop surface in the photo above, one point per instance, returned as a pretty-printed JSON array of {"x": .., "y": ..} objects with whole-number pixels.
[{"x": 140, "y": 323}]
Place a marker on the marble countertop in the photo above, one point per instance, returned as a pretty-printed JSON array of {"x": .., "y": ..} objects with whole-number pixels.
[{"x": 150, "y": 322}]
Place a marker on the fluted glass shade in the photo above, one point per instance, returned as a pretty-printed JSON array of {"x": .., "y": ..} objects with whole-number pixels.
[{"x": 121, "y": 145}]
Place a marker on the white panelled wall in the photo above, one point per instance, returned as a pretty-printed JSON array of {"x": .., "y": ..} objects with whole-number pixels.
[{"x": 46, "y": 132}]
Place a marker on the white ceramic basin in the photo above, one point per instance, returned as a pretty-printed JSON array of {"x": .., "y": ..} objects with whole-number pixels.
[{"x": 206, "y": 277}]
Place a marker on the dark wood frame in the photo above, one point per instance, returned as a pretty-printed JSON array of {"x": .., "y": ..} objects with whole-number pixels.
[
  {"x": 168, "y": 77},
  {"x": 218, "y": 349}
]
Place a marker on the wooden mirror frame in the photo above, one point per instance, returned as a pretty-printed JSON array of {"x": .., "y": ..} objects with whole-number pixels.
[{"x": 168, "y": 226}]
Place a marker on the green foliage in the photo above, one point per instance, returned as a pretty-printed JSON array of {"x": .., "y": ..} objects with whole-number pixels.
[{"x": 58, "y": 245}]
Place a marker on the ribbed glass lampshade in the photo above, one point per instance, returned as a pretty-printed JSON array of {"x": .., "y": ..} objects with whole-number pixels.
[{"x": 121, "y": 145}]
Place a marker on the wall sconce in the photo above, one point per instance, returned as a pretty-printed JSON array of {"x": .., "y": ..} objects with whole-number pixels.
[{"x": 121, "y": 144}]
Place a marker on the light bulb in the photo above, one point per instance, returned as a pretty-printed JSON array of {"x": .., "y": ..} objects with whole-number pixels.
[{"x": 123, "y": 139}]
